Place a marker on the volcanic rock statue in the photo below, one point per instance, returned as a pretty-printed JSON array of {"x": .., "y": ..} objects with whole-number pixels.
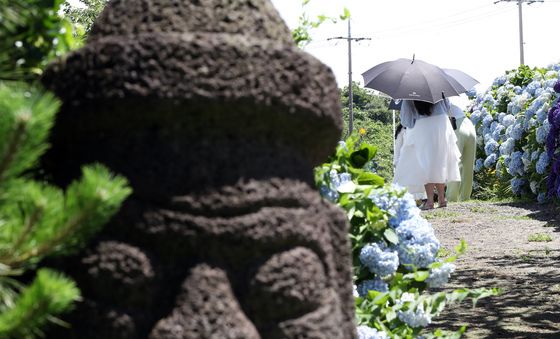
[{"x": 217, "y": 119}]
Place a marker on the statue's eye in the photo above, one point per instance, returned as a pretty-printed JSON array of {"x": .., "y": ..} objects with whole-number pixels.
[
  {"x": 286, "y": 286},
  {"x": 119, "y": 272}
]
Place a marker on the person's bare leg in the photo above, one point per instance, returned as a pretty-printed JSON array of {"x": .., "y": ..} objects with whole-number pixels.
[
  {"x": 441, "y": 195},
  {"x": 430, "y": 194}
]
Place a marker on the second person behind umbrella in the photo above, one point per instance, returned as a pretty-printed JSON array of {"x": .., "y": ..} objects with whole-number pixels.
[{"x": 429, "y": 157}]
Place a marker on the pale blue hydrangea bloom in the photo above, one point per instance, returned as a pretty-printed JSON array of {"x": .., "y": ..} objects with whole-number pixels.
[
  {"x": 416, "y": 318},
  {"x": 497, "y": 130},
  {"x": 490, "y": 160},
  {"x": 328, "y": 193},
  {"x": 476, "y": 116},
  {"x": 532, "y": 86},
  {"x": 440, "y": 276},
  {"x": 517, "y": 185},
  {"x": 534, "y": 155},
  {"x": 541, "y": 198},
  {"x": 517, "y": 89},
  {"x": 418, "y": 244},
  {"x": 487, "y": 120},
  {"x": 543, "y": 162},
  {"x": 542, "y": 132},
  {"x": 515, "y": 166},
  {"x": 478, "y": 165},
  {"x": 379, "y": 259},
  {"x": 491, "y": 146},
  {"x": 500, "y": 117},
  {"x": 399, "y": 209},
  {"x": 365, "y": 332},
  {"x": 517, "y": 130},
  {"x": 550, "y": 83},
  {"x": 471, "y": 93},
  {"x": 499, "y": 80},
  {"x": 507, "y": 146},
  {"x": 372, "y": 285},
  {"x": 529, "y": 112},
  {"x": 508, "y": 120},
  {"x": 542, "y": 114},
  {"x": 538, "y": 91}
]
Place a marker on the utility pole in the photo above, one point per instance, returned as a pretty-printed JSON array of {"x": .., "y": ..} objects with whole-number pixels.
[
  {"x": 350, "y": 96},
  {"x": 520, "y": 5}
]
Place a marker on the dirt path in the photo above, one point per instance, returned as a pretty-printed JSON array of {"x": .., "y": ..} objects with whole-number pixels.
[{"x": 515, "y": 247}]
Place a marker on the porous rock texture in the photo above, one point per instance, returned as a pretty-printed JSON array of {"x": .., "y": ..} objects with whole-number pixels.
[{"x": 217, "y": 120}]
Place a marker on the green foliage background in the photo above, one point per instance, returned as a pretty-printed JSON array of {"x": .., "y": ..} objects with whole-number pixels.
[{"x": 371, "y": 113}]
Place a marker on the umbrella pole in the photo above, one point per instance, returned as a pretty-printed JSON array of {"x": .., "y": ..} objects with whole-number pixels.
[
  {"x": 350, "y": 96},
  {"x": 394, "y": 140}
]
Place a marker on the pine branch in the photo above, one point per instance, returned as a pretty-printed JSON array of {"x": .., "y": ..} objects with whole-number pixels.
[
  {"x": 31, "y": 222},
  {"x": 69, "y": 228},
  {"x": 13, "y": 146}
]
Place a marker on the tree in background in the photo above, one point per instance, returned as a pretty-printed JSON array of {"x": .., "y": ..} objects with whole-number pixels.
[
  {"x": 373, "y": 120},
  {"x": 84, "y": 16},
  {"x": 38, "y": 220}
]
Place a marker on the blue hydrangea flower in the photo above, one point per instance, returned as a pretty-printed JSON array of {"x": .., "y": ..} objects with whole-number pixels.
[
  {"x": 532, "y": 86},
  {"x": 508, "y": 120},
  {"x": 487, "y": 120},
  {"x": 542, "y": 198},
  {"x": 328, "y": 193},
  {"x": 490, "y": 160},
  {"x": 365, "y": 332},
  {"x": 476, "y": 116},
  {"x": 372, "y": 285},
  {"x": 516, "y": 166},
  {"x": 478, "y": 165},
  {"x": 418, "y": 244},
  {"x": 440, "y": 276},
  {"x": 497, "y": 130},
  {"x": 534, "y": 155},
  {"x": 415, "y": 318},
  {"x": 491, "y": 146},
  {"x": 543, "y": 163},
  {"x": 517, "y": 185},
  {"x": 542, "y": 114},
  {"x": 471, "y": 93},
  {"x": 379, "y": 259},
  {"x": 542, "y": 132},
  {"x": 517, "y": 130},
  {"x": 499, "y": 80},
  {"x": 507, "y": 146}
]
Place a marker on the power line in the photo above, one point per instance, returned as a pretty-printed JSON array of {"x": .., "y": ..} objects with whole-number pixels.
[
  {"x": 349, "y": 38},
  {"x": 520, "y": 6}
]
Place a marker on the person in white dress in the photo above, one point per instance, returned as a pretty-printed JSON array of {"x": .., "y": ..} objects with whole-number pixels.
[{"x": 429, "y": 157}]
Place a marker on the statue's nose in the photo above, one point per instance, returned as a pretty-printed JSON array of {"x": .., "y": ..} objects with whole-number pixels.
[{"x": 206, "y": 307}]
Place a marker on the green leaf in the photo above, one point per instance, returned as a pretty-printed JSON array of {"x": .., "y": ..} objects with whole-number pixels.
[
  {"x": 368, "y": 178},
  {"x": 421, "y": 275},
  {"x": 391, "y": 236}
]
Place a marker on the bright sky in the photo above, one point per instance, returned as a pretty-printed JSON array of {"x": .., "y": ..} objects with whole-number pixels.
[{"x": 476, "y": 36}]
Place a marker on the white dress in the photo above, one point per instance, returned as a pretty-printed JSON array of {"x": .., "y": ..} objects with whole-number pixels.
[{"x": 429, "y": 153}]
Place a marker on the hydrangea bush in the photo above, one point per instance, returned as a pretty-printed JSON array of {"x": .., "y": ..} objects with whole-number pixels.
[
  {"x": 514, "y": 129},
  {"x": 395, "y": 250}
]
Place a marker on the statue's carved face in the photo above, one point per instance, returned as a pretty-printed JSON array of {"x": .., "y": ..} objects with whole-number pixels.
[{"x": 260, "y": 260}]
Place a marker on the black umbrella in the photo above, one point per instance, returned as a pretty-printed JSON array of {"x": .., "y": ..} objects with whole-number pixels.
[
  {"x": 463, "y": 78},
  {"x": 414, "y": 80}
]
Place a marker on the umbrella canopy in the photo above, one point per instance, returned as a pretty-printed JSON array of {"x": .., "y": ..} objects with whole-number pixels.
[
  {"x": 463, "y": 78},
  {"x": 414, "y": 80}
]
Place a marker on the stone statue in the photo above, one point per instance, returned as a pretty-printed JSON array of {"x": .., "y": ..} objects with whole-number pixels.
[{"x": 217, "y": 119}]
